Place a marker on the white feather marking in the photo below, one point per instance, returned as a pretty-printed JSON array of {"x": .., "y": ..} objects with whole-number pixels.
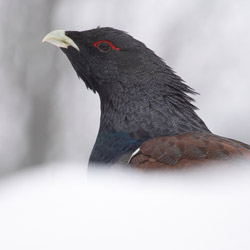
[{"x": 137, "y": 151}]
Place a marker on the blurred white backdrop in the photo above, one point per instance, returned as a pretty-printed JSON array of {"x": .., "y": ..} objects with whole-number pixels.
[
  {"x": 55, "y": 207},
  {"x": 49, "y": 121}
]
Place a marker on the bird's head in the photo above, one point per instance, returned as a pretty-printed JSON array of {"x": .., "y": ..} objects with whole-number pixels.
[{"x": 102, "y": 57}]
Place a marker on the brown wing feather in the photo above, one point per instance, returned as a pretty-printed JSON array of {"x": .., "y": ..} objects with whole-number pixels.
[{"x": 186, "y": 150}]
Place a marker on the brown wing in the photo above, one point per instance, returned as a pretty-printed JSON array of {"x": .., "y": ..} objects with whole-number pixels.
[{"x": 186, "y": 150}]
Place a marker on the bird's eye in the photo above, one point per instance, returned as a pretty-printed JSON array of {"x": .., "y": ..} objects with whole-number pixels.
[{"x": 104, "y": 47}]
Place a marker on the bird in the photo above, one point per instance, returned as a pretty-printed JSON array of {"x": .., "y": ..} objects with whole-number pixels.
[{"x": 148, "y": 119}]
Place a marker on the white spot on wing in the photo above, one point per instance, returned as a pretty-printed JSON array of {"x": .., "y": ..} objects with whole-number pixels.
[{"x": 137, "y": 151}]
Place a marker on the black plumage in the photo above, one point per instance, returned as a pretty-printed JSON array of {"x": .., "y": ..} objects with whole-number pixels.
[{"x": 141, "y": 97}]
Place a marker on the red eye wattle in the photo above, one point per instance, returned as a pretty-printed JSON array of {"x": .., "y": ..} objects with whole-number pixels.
[{"x": 105, "y": 46}]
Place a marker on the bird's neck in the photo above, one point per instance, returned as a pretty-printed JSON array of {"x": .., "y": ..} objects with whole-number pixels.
[
  {"x": 123, "y": 128},
  {"x": 152, "y": 109}
]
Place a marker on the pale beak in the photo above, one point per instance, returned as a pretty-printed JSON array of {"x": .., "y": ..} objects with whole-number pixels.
[{"x": 58, "y": 38}]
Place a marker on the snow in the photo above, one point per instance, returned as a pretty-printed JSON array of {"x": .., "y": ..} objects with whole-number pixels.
[{"x": 60, "y": 206}]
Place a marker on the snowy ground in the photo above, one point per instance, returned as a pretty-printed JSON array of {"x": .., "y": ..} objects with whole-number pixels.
[{"x": 60, "y": 207}]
